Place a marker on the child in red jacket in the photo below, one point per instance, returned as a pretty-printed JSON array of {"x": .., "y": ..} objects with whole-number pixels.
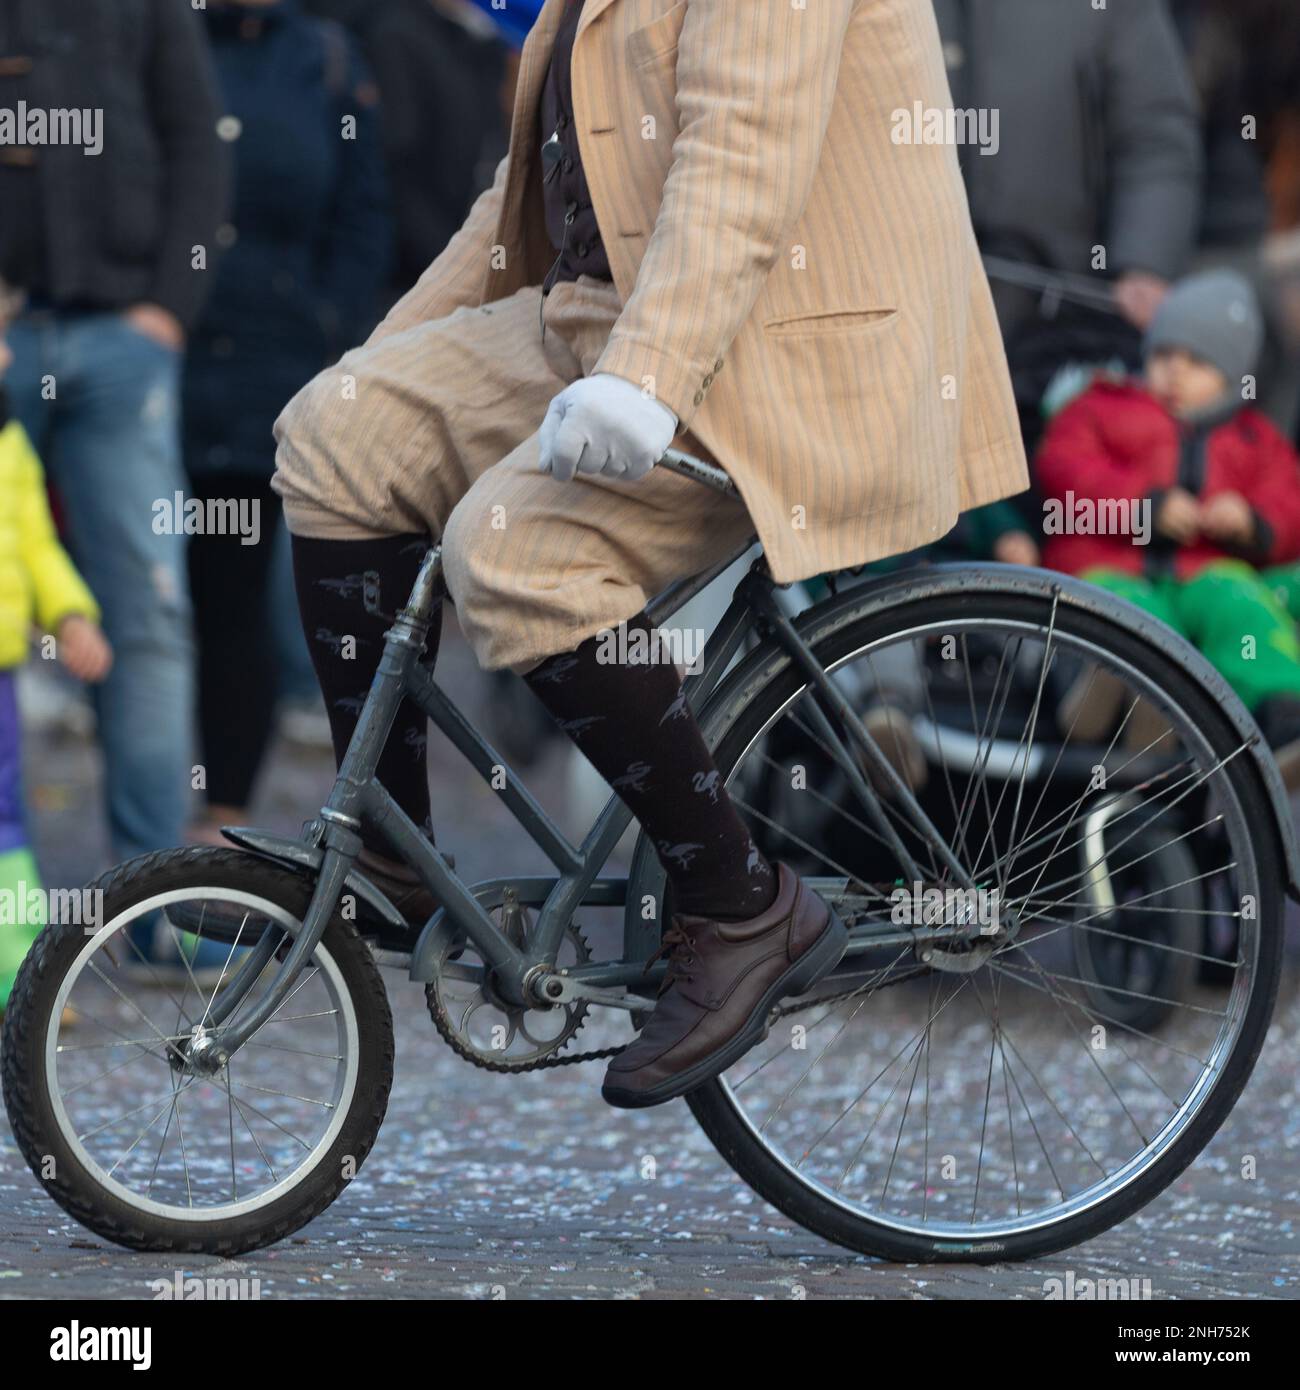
[{"x": 1173, "y": 494}]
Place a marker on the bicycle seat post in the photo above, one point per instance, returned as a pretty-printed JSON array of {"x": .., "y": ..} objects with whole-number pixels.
[{"x": 429, "y": 587}]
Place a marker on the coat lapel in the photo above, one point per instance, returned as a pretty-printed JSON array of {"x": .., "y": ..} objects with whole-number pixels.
[
  {"x": 522, "y": 203},
  {"x": 523, "y": 200},
  {"x": 591, "y": 9},
  {"x": 536, "y": 53}
]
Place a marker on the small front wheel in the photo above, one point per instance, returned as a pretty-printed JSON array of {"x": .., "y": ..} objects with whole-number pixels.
[{"x": 123, "y": 1131}]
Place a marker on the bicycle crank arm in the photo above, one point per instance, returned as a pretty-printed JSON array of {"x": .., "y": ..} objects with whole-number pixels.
[{"x": 563, "y": 989}]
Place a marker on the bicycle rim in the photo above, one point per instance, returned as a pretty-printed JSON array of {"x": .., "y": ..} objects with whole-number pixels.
[
  {"x": 187, "y": 1148},
  {"x": 968, "y": 1113}
]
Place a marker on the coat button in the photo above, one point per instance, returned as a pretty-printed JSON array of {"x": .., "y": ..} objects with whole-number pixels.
[
  {"x": 699, "y": 396},
  {"x": 708, "y": 380},
  {"x": 717, "y": 366}
]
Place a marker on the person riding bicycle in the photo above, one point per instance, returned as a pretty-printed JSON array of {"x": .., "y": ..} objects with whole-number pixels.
[
  {"x": 711, "y": 227},
  {"x": 1212, "y": 488}
]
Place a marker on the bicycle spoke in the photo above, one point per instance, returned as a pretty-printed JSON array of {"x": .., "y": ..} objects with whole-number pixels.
[
  {"x": 1030, "y": 732},
  {"x": 869, "y": 986},
  {"x": 257, "y": 1142},
  {"x": 157, "y": 979},
  {"x": 1094, "y": 1016},
  {"x": 108, "y": 1071},
  {"x": 289, "y": 1095},
  {"x": 126, "y": 1115},
  {"x": 161, "y": 1037},
  {"x": 870, "y": 1084},
  {"x": 169, "y": 1105},
  {"x": 1116, "y": 775},
  {"x": 902, "y": 1119},
  {"x": 162, "y": 1142},
  {"x": 270, "y": 1119}
]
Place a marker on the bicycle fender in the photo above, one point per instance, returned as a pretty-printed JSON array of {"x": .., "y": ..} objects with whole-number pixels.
[{"x": 306, "y": 859}]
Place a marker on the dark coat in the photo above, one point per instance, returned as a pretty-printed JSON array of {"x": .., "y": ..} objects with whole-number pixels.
[
  {"x": 116, "y": 228},
  {"x": 1099, "y": 126},
  {"x": 298, "y": 285},
  {"x": 440, "y": 82},
  {"x": 1236, "y": 211}
]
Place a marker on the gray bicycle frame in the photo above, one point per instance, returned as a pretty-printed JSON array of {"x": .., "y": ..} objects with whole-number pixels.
[{"x": 357, "y": 799}]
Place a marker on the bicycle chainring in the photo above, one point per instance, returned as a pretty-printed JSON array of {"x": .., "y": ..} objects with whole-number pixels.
[{"x": 491, "y": 1032}]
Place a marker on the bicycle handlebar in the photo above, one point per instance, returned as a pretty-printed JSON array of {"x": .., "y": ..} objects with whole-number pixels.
[{"x": 697, "y": 470}]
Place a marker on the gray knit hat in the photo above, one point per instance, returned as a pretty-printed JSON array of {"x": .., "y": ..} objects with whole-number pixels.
[{"x": 1216, "y": 316}]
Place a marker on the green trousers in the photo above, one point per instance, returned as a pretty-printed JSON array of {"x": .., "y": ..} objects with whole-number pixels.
[
  {"x": 1242, "y": 620},
  {"x": 21, "y": 914},
  {"x": 1284, "y": 581}
]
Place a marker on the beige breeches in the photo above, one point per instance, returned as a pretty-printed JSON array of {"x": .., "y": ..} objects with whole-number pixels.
[{"x": 434, "y": 429}]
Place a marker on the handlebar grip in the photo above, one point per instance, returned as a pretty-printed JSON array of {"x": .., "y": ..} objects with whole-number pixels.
[{"x": 698, "y": 471}]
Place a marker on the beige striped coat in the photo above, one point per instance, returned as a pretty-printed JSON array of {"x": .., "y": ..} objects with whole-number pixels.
[{"x": 803, "y": 291}]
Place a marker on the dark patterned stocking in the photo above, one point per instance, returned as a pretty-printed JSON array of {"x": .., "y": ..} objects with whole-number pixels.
[
  {"x": 328, "y": 579},
  {"x": 633, "y": 723}
]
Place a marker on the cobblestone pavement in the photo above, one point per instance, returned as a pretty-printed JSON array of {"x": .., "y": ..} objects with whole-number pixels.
[{"x": 486, "y": 1186}]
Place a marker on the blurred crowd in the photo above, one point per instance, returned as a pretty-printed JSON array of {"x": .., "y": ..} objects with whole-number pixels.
[{"x": 1140, "y": 219}]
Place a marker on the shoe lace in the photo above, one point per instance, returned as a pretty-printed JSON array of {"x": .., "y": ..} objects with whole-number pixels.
[{"x": 678, "y": 945}]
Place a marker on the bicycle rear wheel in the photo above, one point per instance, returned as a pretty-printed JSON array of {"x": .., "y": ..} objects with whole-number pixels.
[{"x": 977, "y": 1101}]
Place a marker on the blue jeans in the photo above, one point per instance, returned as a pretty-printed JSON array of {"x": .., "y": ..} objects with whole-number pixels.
[{"x": 101, "y": 403}]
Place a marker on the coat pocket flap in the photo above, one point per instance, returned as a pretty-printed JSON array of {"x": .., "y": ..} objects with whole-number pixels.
[{"x": 828, "y": 321}]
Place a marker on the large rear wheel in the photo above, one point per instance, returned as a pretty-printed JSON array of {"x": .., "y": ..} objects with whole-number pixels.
[{"x": 977, "y": 1099}]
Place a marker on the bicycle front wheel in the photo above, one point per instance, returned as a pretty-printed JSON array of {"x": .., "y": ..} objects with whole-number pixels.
[
  {"x": 977, "y": 1097},
  {"x": 129, "y": 1137}
]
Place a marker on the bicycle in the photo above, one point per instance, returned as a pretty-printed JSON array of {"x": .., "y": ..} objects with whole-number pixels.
[{"x": 956, "y": 1090}]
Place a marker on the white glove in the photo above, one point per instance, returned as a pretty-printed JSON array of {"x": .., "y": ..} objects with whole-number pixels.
[{"x": 604, "y": 424}]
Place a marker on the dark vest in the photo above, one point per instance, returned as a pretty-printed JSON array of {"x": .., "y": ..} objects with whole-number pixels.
[{"x": 570, "y": 217}]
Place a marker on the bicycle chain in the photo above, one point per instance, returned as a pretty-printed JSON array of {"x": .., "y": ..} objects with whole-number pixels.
[
  {"x": 600, "y": 1054},
  {"x": 512, "y": 1068}
]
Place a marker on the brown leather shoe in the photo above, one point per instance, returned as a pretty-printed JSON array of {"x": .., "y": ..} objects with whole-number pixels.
[{"x": 723, "y": 979}]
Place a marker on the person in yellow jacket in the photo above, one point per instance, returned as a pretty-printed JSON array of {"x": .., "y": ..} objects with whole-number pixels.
[{"x": 38, "y": 587}]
